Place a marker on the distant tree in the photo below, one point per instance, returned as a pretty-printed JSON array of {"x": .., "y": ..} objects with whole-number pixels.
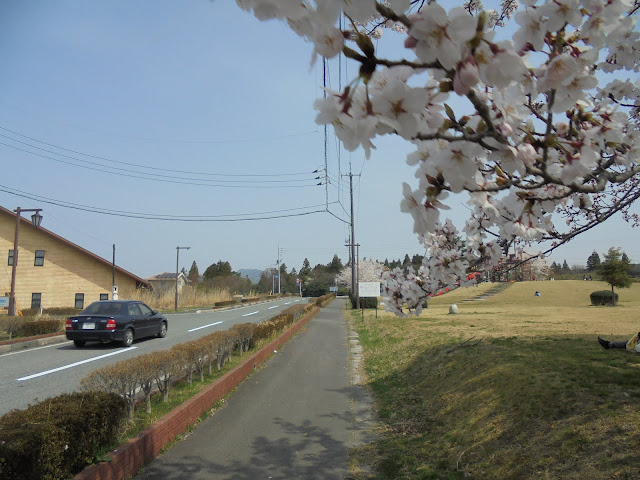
[
  {"x": 194, "y": 275},
  {"x": 615, "y": 271},
  {"x": 266, "y": 282},
  {"x": 406, "y": 262},
  {"x": 305, "y": 271},
  {"x": 625, "y": 258},
  {"x": 335, "y": 266},
  {"x": 555, "y": 268},
  {"x": 416, "y": 261},
  {"x": 565, "y": 267},
  {"x": 593, "y": 262},
  {"x": 219, "y": 269}
]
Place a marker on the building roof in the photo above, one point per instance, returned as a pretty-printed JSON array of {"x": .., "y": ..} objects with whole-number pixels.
[
  {"x": 77, "y": 247},
  {"x": 165, "y": 276}
]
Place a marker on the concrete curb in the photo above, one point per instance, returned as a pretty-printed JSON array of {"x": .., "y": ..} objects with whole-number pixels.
[
  {"x": 21, "y": 344},
  {"x": 128, "y": 459}
]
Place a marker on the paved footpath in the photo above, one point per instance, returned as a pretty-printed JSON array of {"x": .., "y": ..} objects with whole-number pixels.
[{"x": 294, "y": 418}]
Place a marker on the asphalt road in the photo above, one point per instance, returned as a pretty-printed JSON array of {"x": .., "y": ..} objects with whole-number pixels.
[
  {"x": 293, "y": 418},
  {"x": 32, "y": 375}
]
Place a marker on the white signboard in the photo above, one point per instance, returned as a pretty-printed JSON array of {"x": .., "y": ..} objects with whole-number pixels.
[
  {"x": 4, "y": 301},
  {"x": 369, "y": 289}
]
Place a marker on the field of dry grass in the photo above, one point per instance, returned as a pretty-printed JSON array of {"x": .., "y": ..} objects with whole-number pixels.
[
  {"x": 512, "y": 387},
  {"x": 563, "y": 307}
]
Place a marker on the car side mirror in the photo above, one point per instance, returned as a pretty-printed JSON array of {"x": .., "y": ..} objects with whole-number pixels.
[{"x": 154, "y": 312}]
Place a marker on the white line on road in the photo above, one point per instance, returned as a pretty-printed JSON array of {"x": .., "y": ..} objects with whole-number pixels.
[
  {"x": 287, "y": 303},
  {"x": 249, "y": 314},
  {"x": 204, "y": 326},
  {"x": 71, "y": 365},
  {"x": 275, "y": 306}
]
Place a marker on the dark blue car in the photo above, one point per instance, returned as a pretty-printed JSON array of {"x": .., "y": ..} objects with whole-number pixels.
[{"x": 115, "y": 320}]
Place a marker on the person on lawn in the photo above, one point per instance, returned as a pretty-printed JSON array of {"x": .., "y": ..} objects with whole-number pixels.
[{"x": 633, "y": 344}]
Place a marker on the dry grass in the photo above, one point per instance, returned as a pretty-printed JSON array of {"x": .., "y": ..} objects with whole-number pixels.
[
  {"x": 513, "y": 387},
  {"x": 188, "y": 298},
  {"x": 562, "y": 308}
]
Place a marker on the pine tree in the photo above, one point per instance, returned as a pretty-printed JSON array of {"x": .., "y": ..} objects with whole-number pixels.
[
  {"x": 593, "y": 262},
  {"x": 194, "y": 275}
]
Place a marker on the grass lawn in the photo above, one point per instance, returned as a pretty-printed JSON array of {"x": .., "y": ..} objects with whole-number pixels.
[{"x": 512, "y": 387}]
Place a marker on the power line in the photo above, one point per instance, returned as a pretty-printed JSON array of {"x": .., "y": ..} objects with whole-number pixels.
[
  {"x": 97, "y": 157},
  {"x": 270, "y": 215},
  {"x": 180, "y": 180}
]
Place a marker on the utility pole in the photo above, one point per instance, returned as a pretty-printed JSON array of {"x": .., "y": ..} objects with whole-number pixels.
[
  {"x": 113, "y": 273},
  {"x": 352, "y": 244},
  {"x": 279, "y": 273}
]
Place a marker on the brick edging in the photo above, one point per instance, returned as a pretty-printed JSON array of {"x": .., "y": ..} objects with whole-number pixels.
[{"x": 127, "y": 460}]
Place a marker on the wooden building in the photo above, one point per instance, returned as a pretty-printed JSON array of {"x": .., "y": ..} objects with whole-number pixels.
[{"x": 53, "y": 272}]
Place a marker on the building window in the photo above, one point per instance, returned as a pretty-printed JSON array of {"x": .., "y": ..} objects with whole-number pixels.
[
  {"x": 39, "y": 260},
  {"x": 104, "y": 296},
  {"x": 10, "y": 262},
  {"x": 79, "y": 300},
  {"x": 36, "y": 300}
]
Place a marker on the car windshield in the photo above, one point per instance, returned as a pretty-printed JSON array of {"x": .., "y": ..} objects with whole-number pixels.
[{"x": 100, "y": 308}]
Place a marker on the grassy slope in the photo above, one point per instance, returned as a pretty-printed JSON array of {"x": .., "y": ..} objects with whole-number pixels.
[{"x": 536, "y": 398}]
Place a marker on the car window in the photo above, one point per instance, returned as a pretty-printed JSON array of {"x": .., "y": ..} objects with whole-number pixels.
[
  {"x": 134, "y": 310},
  {"x": 146, "y": 311},
  {"x": 100, "y": 308}
]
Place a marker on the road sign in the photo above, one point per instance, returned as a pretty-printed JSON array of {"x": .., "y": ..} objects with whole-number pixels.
[
  {"x": 4, "y": 301},
  {"x": 369, "y": 289}
]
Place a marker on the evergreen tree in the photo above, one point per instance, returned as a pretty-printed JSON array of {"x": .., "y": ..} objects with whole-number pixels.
[
  {"x": 565, "y": 267},
  {"x": 615, "y": 271},
  {"x": 593, "y": 262},
  {"x": 305, "y": 271},
  {"x": 194, "y": 275},
  {"x": 625, "y": 258},
  {"x": 335, "y": 266},
  {"x": 219, "y": 269}
]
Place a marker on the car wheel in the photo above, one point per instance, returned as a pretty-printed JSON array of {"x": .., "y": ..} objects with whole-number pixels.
[
  {"x": 163, "y": 330},
  {"x": 79, "y": 343},
  {"x": 127, "y": 338}
]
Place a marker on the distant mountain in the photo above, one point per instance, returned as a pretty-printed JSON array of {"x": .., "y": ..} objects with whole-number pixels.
[{"x": 252, "y": 273}]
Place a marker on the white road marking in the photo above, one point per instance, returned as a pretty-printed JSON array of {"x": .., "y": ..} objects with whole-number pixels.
[
  {"x": 27, "y": 350},
  {"x": 249, "y": 314},
  {"x": 204, "y": 326},
  {"x": 288, "y": 303},
  {"x": 71, "y": 365},
  {"x": 275, "y": 306}
]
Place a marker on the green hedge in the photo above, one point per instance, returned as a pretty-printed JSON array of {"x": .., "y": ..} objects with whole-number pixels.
[
  {"x": 39, "y": 327},
  {"x": 603, "y": 297},
  {"x": 30, "y": 312},
  {"x": 58, "y": 437}
]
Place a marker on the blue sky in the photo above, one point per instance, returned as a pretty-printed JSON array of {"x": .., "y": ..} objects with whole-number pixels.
[{"x": 217, "y": 108}]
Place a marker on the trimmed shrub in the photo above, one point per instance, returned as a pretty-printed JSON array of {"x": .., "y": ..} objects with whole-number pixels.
[
  {"x": 39, "y": 327},
  {"x": 244, "y": 335},
  {"x": 120, "y": 378},
  {"x": 62, "y": 311},
  {"x": 60, "y": 436},
  {"x": 249, "y": 299},
  {"x": 369, "y": 302},
  {"x": 225, "y": 303},
  {"x": 11, "y": 325},
  {"x": 603, "y": 297}
]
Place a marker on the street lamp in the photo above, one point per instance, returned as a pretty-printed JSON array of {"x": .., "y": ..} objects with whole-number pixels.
[
  {"x": 36, "y": 219},
  {"x": 177, "y": 263}
]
